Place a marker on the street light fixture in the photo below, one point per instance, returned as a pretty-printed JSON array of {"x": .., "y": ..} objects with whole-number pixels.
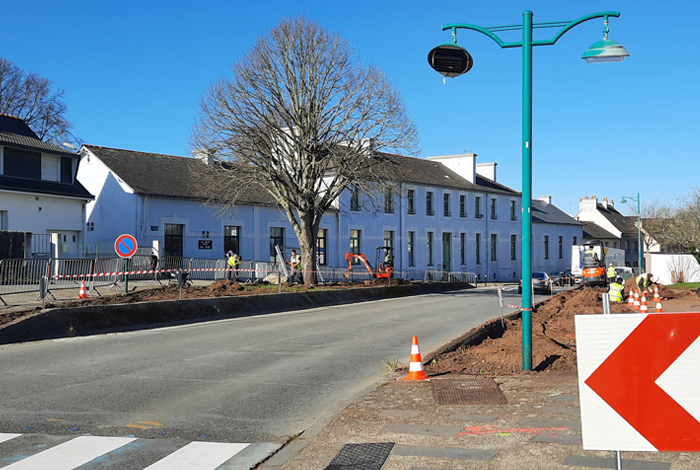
[
  {"x": 639, "y": 226},
  {"x": 605, "y": 50},
  {"x": 452, "y": 60}
]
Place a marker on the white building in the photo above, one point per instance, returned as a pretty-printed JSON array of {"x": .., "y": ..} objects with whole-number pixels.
[
  {"x": 39, "y": 192},
  {"x": 447, "y": 214},
  {"x": 553, "y": 234}
]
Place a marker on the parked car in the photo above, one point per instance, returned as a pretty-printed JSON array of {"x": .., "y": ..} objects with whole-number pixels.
[
  {"x": 541, "y": 282},
  {"x": 557, "y": 277}
]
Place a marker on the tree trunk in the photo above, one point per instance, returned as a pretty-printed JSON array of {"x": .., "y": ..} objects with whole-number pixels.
[{"x": 307, "y": 244}]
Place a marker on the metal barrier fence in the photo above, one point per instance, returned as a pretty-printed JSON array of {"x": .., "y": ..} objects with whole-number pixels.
[
  {"x": 449, "y": 276},
  {"x": 21, "y": 275}
]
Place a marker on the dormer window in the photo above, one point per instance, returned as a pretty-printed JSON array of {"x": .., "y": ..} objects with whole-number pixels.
[{"x": 22, "y": 163}]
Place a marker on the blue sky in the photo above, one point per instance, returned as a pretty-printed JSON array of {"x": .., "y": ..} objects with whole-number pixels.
[{"x": 133, "y": 73}]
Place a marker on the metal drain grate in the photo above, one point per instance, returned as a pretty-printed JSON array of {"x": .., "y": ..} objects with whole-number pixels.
[
  {"x": 369, "y": 456},
  {"x": 467, "y": 390}
]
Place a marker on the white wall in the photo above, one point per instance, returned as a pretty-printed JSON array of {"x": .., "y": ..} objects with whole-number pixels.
[
  {"x": 554, "y": 231},
  {"x": 662, "y": 264},
  {"x": 39, "y": 213}
]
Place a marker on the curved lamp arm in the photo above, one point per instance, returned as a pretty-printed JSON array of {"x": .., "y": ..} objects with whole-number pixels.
[{"x": 505, "y": 45}]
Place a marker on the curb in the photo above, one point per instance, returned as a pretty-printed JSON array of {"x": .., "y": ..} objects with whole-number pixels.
[{"x": 99, "y": 319}]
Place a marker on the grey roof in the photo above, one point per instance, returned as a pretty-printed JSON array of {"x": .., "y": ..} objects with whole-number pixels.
[
  {"x": 15, "y": 132},
  {"x": 432, "y": 173},
  {"x": 26, "y": 185},
  {"x": 592, "y": 231},
  {"x": 155, "y": 174},
  {"x": 623, "y": 223},
  {"x": 544, "y": 213}
]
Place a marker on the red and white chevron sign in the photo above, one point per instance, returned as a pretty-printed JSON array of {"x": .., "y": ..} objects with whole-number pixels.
[{"x": 639, "y": 381}]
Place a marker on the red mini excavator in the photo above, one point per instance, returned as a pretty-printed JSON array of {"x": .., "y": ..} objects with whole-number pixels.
[{"x": 384, "y": 262}]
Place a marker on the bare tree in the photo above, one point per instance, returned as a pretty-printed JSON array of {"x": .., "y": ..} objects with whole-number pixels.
[
  {"x": 302, "y": 117},
  {"x": 682, "y": 268},
  {"x": 676, "y": 225},
  {"x": 31, "y": 97}
]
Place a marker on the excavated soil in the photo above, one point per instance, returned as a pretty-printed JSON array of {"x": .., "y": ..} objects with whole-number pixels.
[{"x": 553, "y": 335}]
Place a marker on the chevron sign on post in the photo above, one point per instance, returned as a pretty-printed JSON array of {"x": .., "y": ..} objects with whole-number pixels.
[{"x": 639, "y": 381}]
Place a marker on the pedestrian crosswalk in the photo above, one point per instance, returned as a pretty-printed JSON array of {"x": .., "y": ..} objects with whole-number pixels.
[{"x": 87, "y": 452}]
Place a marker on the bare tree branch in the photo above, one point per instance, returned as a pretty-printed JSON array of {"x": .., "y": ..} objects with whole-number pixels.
[
  {"x": 31, "y": 98},
  {"x": 676, "y": 225},
  {"x": 303, "y": 117}
]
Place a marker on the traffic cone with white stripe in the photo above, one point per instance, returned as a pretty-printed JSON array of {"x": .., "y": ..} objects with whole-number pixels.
[
  {"x": 82, "y": 293},
  {"x": 656, "y": 293},
  {"x": 659, "y": 308},
  {"x": 415, "y": 369},
  {"x": 630, "y": 299},
  {"x": 643, "y": 308},
  {"x": 636, "y": 300}
]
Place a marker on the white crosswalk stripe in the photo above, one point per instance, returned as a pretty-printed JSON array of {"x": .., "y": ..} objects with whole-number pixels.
[
  {"x": 71, "y": 454},
  {"x": 26, "y": 452},
  {"x": 6, "y": 437},
  {"x": 198, "y": 456}
]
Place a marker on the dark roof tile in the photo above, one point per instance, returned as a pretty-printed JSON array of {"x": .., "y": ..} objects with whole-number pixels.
[{"x": 544, "y": 213}]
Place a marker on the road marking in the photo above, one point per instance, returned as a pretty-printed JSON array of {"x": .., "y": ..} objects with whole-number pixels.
[
  {"x": 7, "y": 436},
  {"x": 198, "y": 456},
  {"x": 71, "y": 454},
  {"x": 145, "y": 424}
]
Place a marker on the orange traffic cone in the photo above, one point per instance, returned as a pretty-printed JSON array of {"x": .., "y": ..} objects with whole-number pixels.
[
  {"x": 636, "y": 304},
  {"x": 82, "y": 294},
  {"x": 659, "y": 309},
  {"x": 643, "y": 308},
  {"x": 630, "y": 299},
  {"x": 656, "y": 293},
  {"x": 415, "y": 369}
]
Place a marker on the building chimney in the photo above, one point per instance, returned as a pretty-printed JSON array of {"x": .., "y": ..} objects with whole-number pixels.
[
  {"x": 487, "y": 170},
  {"x": 203, "y": 155},
  {"x": 463, "y": 164},
  {"x": 588, "y": 204},
  {"x": 547, "y": 199}
]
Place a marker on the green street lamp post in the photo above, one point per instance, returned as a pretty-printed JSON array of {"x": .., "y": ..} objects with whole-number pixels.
[
  {"x": 639, "y": 226},
  {"x": 452, "y": 60}
]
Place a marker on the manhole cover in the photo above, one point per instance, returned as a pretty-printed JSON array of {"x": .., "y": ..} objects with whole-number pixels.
[{"x": 467, "y": 390}]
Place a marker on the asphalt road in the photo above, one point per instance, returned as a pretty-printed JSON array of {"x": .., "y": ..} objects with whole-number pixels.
[{"x": 258, "y": 379}]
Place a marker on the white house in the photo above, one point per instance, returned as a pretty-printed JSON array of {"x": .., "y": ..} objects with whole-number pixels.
[
  {"x": 553, "y": 234},
  {"x": 622, "y": 228},
  {"x": 39, "y": 192},
  {"x": 446, "y": 214}
]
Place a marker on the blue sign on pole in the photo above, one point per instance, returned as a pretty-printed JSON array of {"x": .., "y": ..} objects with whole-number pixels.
[{"x": 126, "y": 246}]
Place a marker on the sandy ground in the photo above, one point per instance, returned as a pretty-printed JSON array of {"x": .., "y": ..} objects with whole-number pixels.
[{"x": 553, "y": 335}]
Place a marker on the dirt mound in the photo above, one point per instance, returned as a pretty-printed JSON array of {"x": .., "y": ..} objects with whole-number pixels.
[
  {"x": 553, "y": 339},
  {"x": 221, "y": 288}
]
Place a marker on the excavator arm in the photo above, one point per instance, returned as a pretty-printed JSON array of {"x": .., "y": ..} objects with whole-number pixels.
[{"x": 349, "y": 256}]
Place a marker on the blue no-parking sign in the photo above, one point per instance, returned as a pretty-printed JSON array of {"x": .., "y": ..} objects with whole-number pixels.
[{"x": 125, "y": 246}]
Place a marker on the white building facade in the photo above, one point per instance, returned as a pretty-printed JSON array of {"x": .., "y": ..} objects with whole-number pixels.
[
  {"x": 39, "y": 192},
  {"x": 436, "y": 218}
]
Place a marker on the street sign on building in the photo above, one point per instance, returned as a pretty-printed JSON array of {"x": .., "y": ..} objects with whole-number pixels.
[
  {"x": 639, "y": 376},
  {"x": 126, "y": 246}
]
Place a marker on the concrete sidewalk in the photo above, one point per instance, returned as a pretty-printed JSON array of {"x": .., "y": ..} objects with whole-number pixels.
[{"x": 538, "y": 428}]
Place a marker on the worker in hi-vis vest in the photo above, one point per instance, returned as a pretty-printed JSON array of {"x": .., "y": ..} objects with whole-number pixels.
[
  {"x": 615, "y": 290},
  {"x": 611, "y": 275},
  {"x": 233, "y": 263},
  {"x": 295, "y": 263}
]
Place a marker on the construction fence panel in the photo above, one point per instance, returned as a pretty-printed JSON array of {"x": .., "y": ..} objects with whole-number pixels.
[
  {"x": 204, "y": 269},
  {"x": 449, "y": 276},
  {"x": 21, "y": 275},
  {"x": 69, "y": 272},
  {"x": 106, "y": 266}
]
